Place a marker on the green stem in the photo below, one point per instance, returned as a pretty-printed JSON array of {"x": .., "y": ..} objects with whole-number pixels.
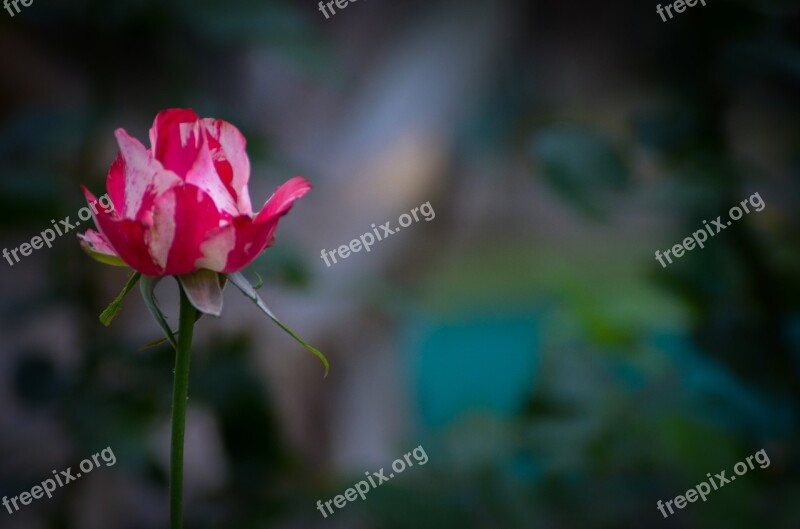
[{"x": 180, "y": 395}]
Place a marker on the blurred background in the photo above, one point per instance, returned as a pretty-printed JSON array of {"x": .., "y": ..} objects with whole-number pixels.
[{"x": 554, "y": 373}]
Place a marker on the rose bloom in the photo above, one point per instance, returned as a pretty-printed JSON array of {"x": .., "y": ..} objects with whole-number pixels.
[{"x": 184, "y": 204}]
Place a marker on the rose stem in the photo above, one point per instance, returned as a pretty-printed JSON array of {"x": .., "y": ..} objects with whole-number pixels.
[{"x": 180, "y": 395}]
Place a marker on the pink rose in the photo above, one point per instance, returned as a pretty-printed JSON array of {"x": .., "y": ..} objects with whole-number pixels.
[
  {"x": 183, "y": 205},
  {"x": 182, "y": 209}
]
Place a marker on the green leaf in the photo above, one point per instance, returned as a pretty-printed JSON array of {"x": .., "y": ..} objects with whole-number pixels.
[
  {"x": 204, "y": 291},
  {"x": 247, "y": 289},
  {"x": 107, "y": 315},
  {"x": 148, "y": 286}
]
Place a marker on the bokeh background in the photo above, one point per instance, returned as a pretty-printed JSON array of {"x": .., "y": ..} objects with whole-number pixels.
[{"x": 556, "y": 375}]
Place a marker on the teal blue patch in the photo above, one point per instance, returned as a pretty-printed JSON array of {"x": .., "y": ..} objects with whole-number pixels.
[{"x": 472, "y": 363}]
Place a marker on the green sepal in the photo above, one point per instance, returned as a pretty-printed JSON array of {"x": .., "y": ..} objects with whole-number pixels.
[
  {"x": 107, "y": 315},
  {"x": 247, "y": 289},
  {"x": 159, "y": 341},
  {"x": 147, "y": 286},
  {"x": 155, "y": 343},
  {"x": 204, "y": 290},
  {"x": 104, "y": 258}
]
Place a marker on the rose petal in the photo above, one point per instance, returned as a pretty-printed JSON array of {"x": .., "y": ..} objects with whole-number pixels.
[
  {"x": 115, "y": 185},
  {"x": 98, "y": 243},
  {"x": 250, "y": 238},
  {"x": 283, "y": 198},
  {"x": 98, "y": 248},
  {"x": 126, "y": 237},
  {"x": 228, "y": 151},
  {"x": 216, "y": 248},
  {"x": 136, "y": 178},
  {"x": 182, "y": 219},
  {"x": 181, "y": 144},
  {"x": 176, "y": 139},
  {"x": 235, "y": 246}
]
